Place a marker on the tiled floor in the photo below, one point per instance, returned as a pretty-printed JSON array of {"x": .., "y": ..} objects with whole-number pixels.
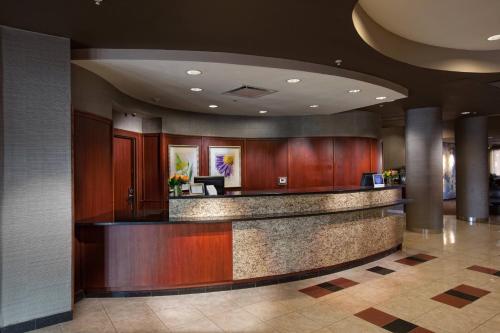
[{"x": 467, "y": 257}]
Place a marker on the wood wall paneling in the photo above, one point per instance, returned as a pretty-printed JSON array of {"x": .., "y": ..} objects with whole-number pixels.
[
  {"x": 376, "y": 155},
  {"x": 153, "y": 180},
  {"x": 265, "y": 161},
  {"x": 352, "y": 158},
  {"x": 92, "y": 168},
  {"x": 310, "y": 162}
]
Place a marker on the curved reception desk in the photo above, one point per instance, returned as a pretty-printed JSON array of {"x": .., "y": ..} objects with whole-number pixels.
[{"x": 241, "y": 239}]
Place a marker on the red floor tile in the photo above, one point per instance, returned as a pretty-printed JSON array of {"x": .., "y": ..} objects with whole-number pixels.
[
  {"x": 463, "y": 288},
  {"x": 343, "y": 283},
  {"x": 315, "y": 291},
  {"x": 482, "y": 269},
  {"x": 451, "y": 300},
  {"x": 376, "y": 317},
  {"x": 424, "y": 256},
  {"x": 420, "y": 330},
  {"x": 409, "y": 262}
]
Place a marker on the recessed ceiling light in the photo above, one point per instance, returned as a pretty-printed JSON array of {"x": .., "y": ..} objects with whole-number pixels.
[
  {"x": 354, "y": 91},
  {"x": 380, "y": 98},
  {"x": 314, "y": 106},
  {"x": 494, "y": 38},
  {"x": 263, "y": 111},
  {"x": 196, "y": 89},
  {"x": 293, "y": 80},
  {"x": 193, "y": 72},
  {"x": 465, "y": 113},
  {"x": 213, "y": 106}
]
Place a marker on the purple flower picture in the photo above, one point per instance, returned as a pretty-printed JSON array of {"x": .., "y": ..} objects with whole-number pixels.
[{"x": 224, "y": 164}]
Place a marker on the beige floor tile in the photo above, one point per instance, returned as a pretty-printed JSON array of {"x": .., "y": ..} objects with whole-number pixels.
[
  {"x": 324, "y": 313},
  {"x": 233, "y": 321},
  {"x": 349, "y": 304},
  {"x": 149, "y": 323},
  {"x": 352, "y": 325},
  {"x": 120, "y": 308},
  {"x": 267, "y": 310},
  {"x": 201, "y": 325},
  {"x": 407, "y": 308},
  {"x": 179, "y": 316},
  {"x": 447, "y": 319},
  {"x": 97, "y": 322},
  {"x": 50, "y": 329},
  {"x": 294, "y": 323}
]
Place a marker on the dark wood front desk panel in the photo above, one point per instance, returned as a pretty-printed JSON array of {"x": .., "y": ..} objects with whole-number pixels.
[{"x": 153, "y": 256}]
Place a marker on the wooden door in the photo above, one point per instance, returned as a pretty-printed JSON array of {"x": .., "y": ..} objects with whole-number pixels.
[{"x": 124, "y": 175}]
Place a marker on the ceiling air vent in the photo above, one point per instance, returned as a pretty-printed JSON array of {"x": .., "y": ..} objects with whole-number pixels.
[{"x": 249, "y": 92}]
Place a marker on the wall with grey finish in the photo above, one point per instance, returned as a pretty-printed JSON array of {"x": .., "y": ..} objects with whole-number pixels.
[
  {"x": 35, "y": 189},
  {"x": 471, "y": 139},
  {"x": 93, "y": 94},
  {"x": 424, "y": 169},
  {"x": 393, "y": 141}
]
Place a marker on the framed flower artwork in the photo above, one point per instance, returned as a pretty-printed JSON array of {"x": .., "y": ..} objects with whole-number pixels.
[
  {"x": 183, "y": 160},
  {"x": 226, "y": 161}
]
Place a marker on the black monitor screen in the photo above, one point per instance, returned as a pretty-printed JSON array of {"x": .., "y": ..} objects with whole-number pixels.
[
  {"x": 217, "y": 181},
  {"x": 367, "y": 179}
]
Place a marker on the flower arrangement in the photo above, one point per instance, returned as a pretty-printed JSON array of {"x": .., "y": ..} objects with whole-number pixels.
[
  {"x": 390, "y": 175},
  {"x": 176, "y": 181}
]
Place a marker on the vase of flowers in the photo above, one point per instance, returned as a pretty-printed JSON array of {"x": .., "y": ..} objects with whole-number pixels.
[
  {"x": 175, "y": 184},
  {"x": 390, "y": 176}
]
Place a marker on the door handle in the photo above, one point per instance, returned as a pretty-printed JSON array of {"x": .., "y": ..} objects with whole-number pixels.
[{"x": 131, "y": 194}]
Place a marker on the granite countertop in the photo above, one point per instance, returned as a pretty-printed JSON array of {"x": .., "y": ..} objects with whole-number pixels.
[
  {"x": 161, "y": 217},
  {"x": 272, "y": 192}
]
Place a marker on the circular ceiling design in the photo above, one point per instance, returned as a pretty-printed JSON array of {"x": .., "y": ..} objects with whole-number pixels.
[
  {"x": 162, "y": 78},
  {"x": 450, "y": 35},
  {"x": 456, "y": 24}
]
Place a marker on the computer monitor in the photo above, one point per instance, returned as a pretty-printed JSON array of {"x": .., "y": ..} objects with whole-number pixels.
[
  {"x": 216, "y": 181},
  {"x": 367, "y": 179},
  {"x": 378, "y": 180}
]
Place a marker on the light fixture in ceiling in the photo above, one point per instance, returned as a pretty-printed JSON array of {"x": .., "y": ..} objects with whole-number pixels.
[
  {"x": 98, "y": 2},
  {"x": 294, "y": 80},
  {"x": 193, "y": 72},
  {"x": 314, "y": 106},
  {"x": 354, "y": 91},
  {"x": 213, "y": 106},
  {"x": 494, "y": 38},
  {"x": 196, "y": 89},
  {"x": 262, "y": 111},
  {"x": 380, "y": 98},
  {"x": 465, "y": 113}
]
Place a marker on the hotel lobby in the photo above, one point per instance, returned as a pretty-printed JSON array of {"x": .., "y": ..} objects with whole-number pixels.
[{"x": 299, "y": 166}]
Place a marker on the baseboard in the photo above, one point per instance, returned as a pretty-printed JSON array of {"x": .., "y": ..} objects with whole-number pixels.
[{"x": 37, "y": 323}]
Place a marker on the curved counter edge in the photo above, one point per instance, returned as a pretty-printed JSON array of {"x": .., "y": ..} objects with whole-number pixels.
[{"x": 242, "y": 284}]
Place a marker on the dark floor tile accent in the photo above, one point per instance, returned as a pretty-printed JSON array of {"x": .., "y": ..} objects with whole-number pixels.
[
  {"x": 389, "y": 322},
  {"x": 315, "y": 291},
  {"x": 166, "y": 292},
  {"x": 343, "y": 282},
  {"x": 376, "y": 317},
  {"x": 222, "y": 287},
  {"x": 380, "y": 270},
  {"x": 454, "y": 301},
  {"x": 329, "y": 286},
  {"x": 400, "y": 326},
  {"x": 237, "y": 286},
  {"x": 459, "y": 294},
  {"x": 483, "y": 269},
  {"x": 416, "y": 259}
]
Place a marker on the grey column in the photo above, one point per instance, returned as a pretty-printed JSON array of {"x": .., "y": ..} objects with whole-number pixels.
[
  {"x": 424, "y": 170},
  {"x": 471, "y": 138},
  {"x": 35, "y": 178}
]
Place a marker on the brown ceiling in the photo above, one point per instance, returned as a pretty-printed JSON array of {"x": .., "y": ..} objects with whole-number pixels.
[{"x": 318, "y": 31}]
